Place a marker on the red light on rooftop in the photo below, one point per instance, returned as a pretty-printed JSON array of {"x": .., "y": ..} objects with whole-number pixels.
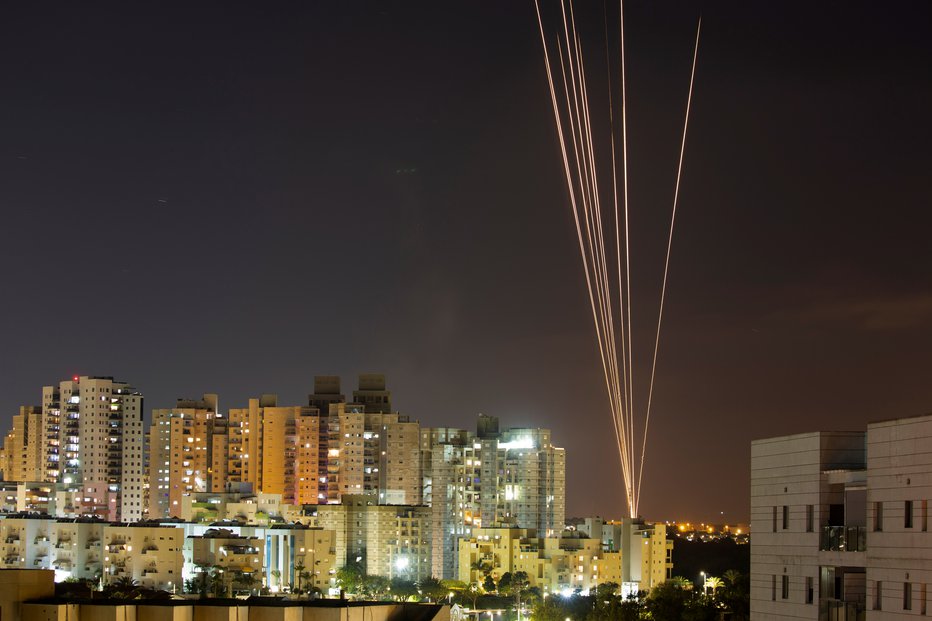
[{"x": 75, "y": 378}]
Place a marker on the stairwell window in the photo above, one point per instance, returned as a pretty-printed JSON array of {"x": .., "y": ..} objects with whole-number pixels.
[
  {"x": 907, "y": 596},
  {"x": 878, "y": 595},
  {"x": 785, "y": 590},
  {"x": 810, "y": 514},
  {"x": 878, "y": 516},
  {"x": 908, "y": 514},
  {"x": 786, "y": 517},
  {"x": 810, "y": 590}
]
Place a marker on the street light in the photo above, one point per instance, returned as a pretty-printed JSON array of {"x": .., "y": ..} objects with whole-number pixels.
[{"x": 702, "y": 574}]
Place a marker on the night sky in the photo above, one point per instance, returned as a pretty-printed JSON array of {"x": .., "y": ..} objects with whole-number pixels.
[{"x": 234, "y": 199}]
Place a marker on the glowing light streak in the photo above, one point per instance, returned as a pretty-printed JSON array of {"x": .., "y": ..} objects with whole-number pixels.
[
  {"x": 573, "y": 117},
  {"x": 666, "y": 265}
]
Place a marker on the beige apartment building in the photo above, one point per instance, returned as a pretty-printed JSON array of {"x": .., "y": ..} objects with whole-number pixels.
[
  {"x": 180, "y": 454},
  {"x": 388, "y": 540},
  {"x": 22, "y": 447},
  {"x": 150, "y": 555},
  {"x": 234, "y": 555},
  {"x": 638, "y": 560}
]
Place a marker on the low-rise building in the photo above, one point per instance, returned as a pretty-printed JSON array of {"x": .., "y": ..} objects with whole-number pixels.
[
  {"x": 237, "y": 557},
  {"x": 630, "y": 553},
  {"x": 150, "y": 555}
]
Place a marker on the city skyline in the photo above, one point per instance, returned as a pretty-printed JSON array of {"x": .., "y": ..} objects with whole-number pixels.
[{"x": 232, "y": 204}]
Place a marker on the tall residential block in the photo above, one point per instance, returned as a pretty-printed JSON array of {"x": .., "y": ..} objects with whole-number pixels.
[
  {"x": 88, "y": 436},
  {"x": 180, "y": 453},
  {"x": 22, "y": 447},
  {"x": 514, "y": 478}
]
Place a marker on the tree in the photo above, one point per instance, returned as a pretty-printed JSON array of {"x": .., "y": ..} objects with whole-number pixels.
[
  {"x": 504, "y": 583},
  {"x": 550, "y": 609},
  {"x": 488, "y": 584},
  {"x": 403, "y": 590},
  {"x": 374, "y": 587},
  {"x": 483, "y": 567},
  {"x": 306, "y": 585},
  {"x": 714, "y": 583},
  {"x": 667, "y": 601},
  {"x": 298, "y": 574},
  {"x": 277, "y": 575},
  {"x": 349, "y": 577},
  {"x": 472, "y": 593},
  {"x": 432, "y": 589},
  {"x": 517, "y": 587},
  {"x": 734, "y": 597}
]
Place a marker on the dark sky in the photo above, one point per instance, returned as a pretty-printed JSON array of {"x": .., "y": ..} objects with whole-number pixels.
[{"x": 234, "y": 199}]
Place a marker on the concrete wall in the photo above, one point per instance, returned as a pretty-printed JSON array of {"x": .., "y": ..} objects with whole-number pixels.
[
  {"x": 18, "y": 585},
  {"x": 196, "y": 611}
]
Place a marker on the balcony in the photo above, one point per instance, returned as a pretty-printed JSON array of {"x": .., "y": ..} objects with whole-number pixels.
[
  {"x": 838, "y": 610},
  {"x": 844, "y": 538}
]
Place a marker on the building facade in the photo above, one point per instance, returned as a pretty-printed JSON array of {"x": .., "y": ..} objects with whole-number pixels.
[{"x": 840, "y": 523}]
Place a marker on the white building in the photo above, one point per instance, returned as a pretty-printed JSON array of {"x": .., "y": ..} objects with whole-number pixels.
[
  {"x": 94, "y": 443},
  {"x": 840, "y": 523}
]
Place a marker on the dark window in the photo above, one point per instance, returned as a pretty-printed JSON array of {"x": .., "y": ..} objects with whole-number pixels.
[
  {"x": 810, "y": 595},
  {"x": 907, "y": 596},
  {"x": 786, "y": 517},
  {"x": 908, "y": 514},
  {"x": 878, "y": 595},
  {"x": 786, "y": 587},
  {"x": 878, "y": 516},
  {"x": 810, "y": 511},
  {"x": 773, "y": 579},
  {"x": 774, "y": 519}
]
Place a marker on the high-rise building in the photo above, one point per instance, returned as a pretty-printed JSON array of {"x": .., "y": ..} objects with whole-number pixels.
[
  {"x": 326, "y": 394},
  {"x": 275, "y": 449},
  {"x": 840, "y": 523},
  {"x": 92, "y": 440},
  {"x": 23, "y": 446},
  {"x": 374, "y": 453},
  {"x": 372, "y": 394},
  {"x": 513, "y": 478},
  {"x": 180, "y": 454}
]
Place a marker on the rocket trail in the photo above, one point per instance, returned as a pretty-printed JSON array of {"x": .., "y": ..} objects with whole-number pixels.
[{"x": 606, "y": 266}]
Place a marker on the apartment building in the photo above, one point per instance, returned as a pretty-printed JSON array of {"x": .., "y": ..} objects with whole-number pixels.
[
  {"x": 151, "y": 555},
  {"x": 515, "y": 477},
  {"x": 180, "y": 454},
  {"x": 646, "y": 554},
  {"x": 634, "y": 555},
  {"x": 840, "y": 523},
  {"x": 87, "y": 435},
  {"x": 388, "y": 540}
]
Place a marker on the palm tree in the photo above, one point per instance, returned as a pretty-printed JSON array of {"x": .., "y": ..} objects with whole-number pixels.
[
  {"x": 305, "y": 576},
  {"x": 298, "y": 570},
  {"x": 731, "y": 577},
  {"x": 713, "y": 582},
  {"x": 483, "y": 567},
  {"x": 681, "y": 582},
  {"x": 277, "y": 574}
]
